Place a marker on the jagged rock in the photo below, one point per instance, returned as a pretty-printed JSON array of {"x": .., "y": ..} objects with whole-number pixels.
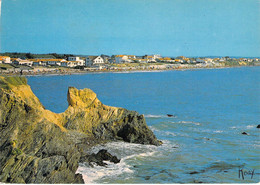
[
  {"x": 105, "y": 122},
  {"x": 39, "y": 146},
  {"x": 105, "y": 155},
  {"x": 99, "y": 158}
]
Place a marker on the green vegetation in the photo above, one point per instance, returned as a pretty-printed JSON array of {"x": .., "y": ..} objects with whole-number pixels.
[
  {"x": 5, "y": 82},
  {"x": 32, "y": 56},
  {"x": 5, "y": 66},
  {"x": 17, "y": 151}
]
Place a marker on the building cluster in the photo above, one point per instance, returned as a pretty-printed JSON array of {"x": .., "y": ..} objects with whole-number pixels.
[{"x": 103, "y": 60}]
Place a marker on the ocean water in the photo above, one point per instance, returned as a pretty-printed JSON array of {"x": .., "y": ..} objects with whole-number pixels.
[{"x": 202, "y": 142}]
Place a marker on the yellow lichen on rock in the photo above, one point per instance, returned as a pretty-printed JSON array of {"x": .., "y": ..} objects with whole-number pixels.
[{"x": 80, "y": 98}]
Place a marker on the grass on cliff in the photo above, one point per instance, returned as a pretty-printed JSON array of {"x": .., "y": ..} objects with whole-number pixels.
[{"x": 7, "y": 82}]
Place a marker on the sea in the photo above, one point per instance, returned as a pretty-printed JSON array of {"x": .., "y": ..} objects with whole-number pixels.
[{"x": 202, "y": 141}]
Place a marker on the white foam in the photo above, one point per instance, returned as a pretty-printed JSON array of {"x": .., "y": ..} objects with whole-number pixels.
[
  {"x": 92, "y": 174},
  {"x": 170, "y": 133},
  {"x": 155, "y": 116},
  {"x": 218, "y": 131},
  {"x": 250, "y": 126},
  {"x": 187, "y": 122},
  {"x": 148, "y": 154},
  {"x": 129, "y": 153},
  {"x": 125, "y": 151},
  {"x": 159, "y": 116},
  {"x": 153, "y": 128}
]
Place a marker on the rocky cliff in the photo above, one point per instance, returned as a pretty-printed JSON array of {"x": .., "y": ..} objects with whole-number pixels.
[{"x": 39, "y": 146}]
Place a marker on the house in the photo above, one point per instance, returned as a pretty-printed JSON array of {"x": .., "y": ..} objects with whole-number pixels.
[
  {"x": 5, "y": 59},
  {"x": 121, "y": 59},
  {"x": 80, "y": 61},
  {"x": 167, "y": 59},
  {"x": 15, "y": 59},
  {"x": 131, "y": 57},
  {"x": 181, "y": 57},
  {"x": 73, "y": 58},
  {"x": 69, "y": 63},
  {"x": 53, "y": 62},
  {"x": 94, "y": 61},
  {"x": 106, "y": 58},
  {"x": 157, "y": 56},
  {"x": 23, "y": 62},
  {"x": 38, "y": 62},
  {"x": 124, "y": 58},
  {"x": 186, "y": 60},
  {"x": 45, "y": 62},
  {"x": 199, "y": 60},
  {"x": 111, "y": 60},
  {"x": 142, "y": 60},
  {"x": 152, "y": 58},
  {"x": 208, "y": 60}
]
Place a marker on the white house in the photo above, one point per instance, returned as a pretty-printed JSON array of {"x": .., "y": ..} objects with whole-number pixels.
[
  {"x": 54, "y": 62},
  {"x": 73, "y": 58},
  {"x": 69, "y": 63},
  {"x": 94, "y": 61},
  {"x": 152, "y": 58},
  {"x": 124, "y": 58},
  {"x": 44, "y": 62},
  {"x": 5, "y": 59},
  {"x": 38, "y": 62},
  {"x": 23, "y": 62},
  {"x": 81, "y": 62}
]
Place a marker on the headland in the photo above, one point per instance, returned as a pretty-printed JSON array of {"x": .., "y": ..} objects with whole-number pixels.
[{"x": 39, "y": 146}]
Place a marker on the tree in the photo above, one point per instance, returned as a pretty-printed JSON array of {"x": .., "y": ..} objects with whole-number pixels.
[{"x": 29, "y": 56}]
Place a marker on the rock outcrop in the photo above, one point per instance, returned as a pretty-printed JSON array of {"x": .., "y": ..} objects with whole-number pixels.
[
  {"x": 39, "y": 146},
  {"x": 99, "y": 158}
]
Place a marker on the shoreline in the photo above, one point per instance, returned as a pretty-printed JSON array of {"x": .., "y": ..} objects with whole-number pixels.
[{"x": 81, "y": 72}]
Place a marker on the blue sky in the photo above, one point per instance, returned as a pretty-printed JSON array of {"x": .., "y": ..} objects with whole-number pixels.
[{"x": 166, "y": 27}]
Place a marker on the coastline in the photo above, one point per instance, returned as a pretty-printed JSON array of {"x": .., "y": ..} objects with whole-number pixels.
[{"x": 56, "y": 72}]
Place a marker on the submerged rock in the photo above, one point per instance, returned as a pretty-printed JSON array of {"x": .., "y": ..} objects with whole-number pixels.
[
  {"x": 39, "y": 146},
  {"x": 244, "y": 133}
]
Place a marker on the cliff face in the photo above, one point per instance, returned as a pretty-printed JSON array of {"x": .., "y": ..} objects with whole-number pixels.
[
  {"x": 39, "y": 146},
  {"x": 88, "y": 115}
]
